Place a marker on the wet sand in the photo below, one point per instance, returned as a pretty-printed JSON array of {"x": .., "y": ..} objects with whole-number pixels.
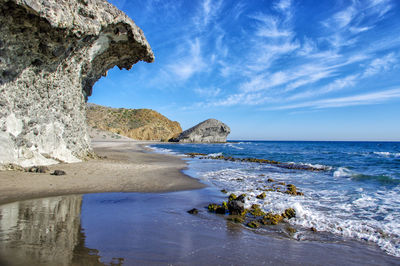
[
  {"x": 128, "y": 167},
  {"x": 155, "y": 229}
]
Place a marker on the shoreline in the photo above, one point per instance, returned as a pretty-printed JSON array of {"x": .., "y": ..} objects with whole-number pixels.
[{"x": 126, "y": 166}]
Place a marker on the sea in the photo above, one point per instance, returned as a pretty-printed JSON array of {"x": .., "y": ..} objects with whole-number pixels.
[{"x": 352, "y": 193}]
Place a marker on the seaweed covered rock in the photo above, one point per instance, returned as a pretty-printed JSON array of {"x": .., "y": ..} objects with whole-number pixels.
[
  {"x": 292, "y": 190},
  {"x": 193, "y": 211},
  {"x": 217, "y": 208},
  {"x": 51, "y": 54},
  {"x": 256, "y": 211},
  {"x": 272, "y": 219},
  {"x": 236, "y": 204},
  {"x": 210, "y": 130},
  {"x": 253, "y": 224},
  {"x": 261, "y": 196},
  {"x": 236, "y": 219},
  {"x": 289, "y": 213}
]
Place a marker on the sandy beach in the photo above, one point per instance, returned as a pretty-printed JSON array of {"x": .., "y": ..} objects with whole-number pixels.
[{"x": 126, "y": 166}]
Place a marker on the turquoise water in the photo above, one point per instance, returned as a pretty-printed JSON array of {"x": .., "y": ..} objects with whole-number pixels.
[{"x": 356, "y": 194}]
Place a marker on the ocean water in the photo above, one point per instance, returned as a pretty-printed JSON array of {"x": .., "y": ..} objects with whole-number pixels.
[{"x": 356, "y": 195}]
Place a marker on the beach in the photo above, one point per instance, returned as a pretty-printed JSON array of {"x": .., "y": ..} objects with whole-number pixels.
[
  {"x": 68, "y": 220},
  {"x": 125, "y": 165}
]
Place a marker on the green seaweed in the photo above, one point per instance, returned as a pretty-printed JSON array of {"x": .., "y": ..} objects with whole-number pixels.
[
  {"x": 261, "y": 196},
  {"x": 289, "y": 213},
  {"x": 232, "y": 197},
  {"x": 253, "y": 224}
]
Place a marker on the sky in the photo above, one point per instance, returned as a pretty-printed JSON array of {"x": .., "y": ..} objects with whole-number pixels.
[{"x": 270, "y": 70}]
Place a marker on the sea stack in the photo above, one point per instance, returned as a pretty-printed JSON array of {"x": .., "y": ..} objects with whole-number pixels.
[
  {"x": 211, "y": 130},
  {"x": 51, "y": 54}
]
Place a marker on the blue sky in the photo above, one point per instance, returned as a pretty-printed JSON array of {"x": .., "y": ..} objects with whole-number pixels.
[{"x": 272, "y": 70}]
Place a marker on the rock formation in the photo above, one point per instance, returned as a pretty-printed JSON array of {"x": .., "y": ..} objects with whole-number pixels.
[
  {"x": 51, "y": 54},
  {"x": 140, "y": 124},
  {"x": 210, "y": 130}
]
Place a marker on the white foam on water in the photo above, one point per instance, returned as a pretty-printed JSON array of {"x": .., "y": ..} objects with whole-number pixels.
[
  {"x": 387, "y": 154},
  {"x": 215, "y": 154},
  {"x": 327, "y": 210},
  {"x": 342, "y": 172},
  {"x": 163, "y": 150},
  {"x": 317, "y": 166},
  {"x": 234, "y": 146}
]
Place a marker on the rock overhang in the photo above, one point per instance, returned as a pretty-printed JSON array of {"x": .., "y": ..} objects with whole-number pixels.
[{"x": 51, "y": 54}]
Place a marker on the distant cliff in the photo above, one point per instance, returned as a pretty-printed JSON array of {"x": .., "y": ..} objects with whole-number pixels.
[
  {"x": 140, "y": 124},
  {"x": 51, "y": 54}
]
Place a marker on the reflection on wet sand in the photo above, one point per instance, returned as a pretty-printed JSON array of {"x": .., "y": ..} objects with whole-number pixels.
[
  {"x": 43, "y": 232},
  {"x": 155, "y": 229}
]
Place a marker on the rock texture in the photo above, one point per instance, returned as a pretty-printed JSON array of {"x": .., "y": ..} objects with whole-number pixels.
[
  {"x": 140, "y": 124},
  {"x": 210, "y": 130},
  {"x": 51, "y": 54}
]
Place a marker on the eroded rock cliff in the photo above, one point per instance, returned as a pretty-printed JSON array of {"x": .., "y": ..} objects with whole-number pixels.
[
  {"x": 140, "y": 124},
  {"x": 210, "y": 130},
  {"x": 51, "y": 54}
]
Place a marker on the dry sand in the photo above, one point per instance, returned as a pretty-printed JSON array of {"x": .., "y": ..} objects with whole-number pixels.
[{"x": 128, "y": 167}]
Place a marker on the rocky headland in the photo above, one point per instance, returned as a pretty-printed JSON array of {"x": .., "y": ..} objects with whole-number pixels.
[
  {"x": 51, "y": 54},
  {"x": 209, "y": 131},
  {"x": 139, "y": 124}
]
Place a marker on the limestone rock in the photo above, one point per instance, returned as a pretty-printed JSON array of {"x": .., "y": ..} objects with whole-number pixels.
[
  {"x": 210, "y": 130},
  {"x": 140, "y": 124},
  {"x": 51, "y": 54}
]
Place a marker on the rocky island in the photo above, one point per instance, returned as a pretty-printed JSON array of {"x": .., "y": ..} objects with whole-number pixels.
[{"x": 210, "y": 130}]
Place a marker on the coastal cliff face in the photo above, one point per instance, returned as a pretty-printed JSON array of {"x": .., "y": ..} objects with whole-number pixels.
[
  {"x": 210, "y": 130},
  {"x": 140, "y": 124},
  {"x": 51, "y": 54}
]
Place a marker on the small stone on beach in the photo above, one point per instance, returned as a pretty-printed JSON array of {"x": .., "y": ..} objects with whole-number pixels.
[
  {"x": 38, "y": 169},
  {"x": 58, "y": 172}
]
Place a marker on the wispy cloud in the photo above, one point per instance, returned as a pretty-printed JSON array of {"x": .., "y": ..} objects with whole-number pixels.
[
  {"x": 268, "y": 59},
  {"x": 336, "y": 85},
  {"x": 240, "y": 98},
  {"x": 208, "y": 92},
  {"x": 208, "y": 11},
  {"x": 361, "y": 99},
  {"x": 190, "y": 63},
  {"x": 317, "y": 69},
  {"x": 381, "y": 64}
]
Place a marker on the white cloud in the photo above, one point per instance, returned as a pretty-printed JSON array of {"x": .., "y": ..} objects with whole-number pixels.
[
  {"x": 241, "y": 99},
  {"x": 269, "y": 26},
  {"x": 381, "y": 64},
  {"x": 209, "y": 11},
  {"x": 361, "y": 99},
  {"x": 208, "y": 92},
  {"x": 308, "y": 79},
  {"x": 238, "y": 10},
  {"x": 358, "y": 17},
  {"x": 190, "y": 63},
  {"x": 344, "y": 17},
  {"x": 277, "y": 67},
  {"x": 283, "y": 5}
]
